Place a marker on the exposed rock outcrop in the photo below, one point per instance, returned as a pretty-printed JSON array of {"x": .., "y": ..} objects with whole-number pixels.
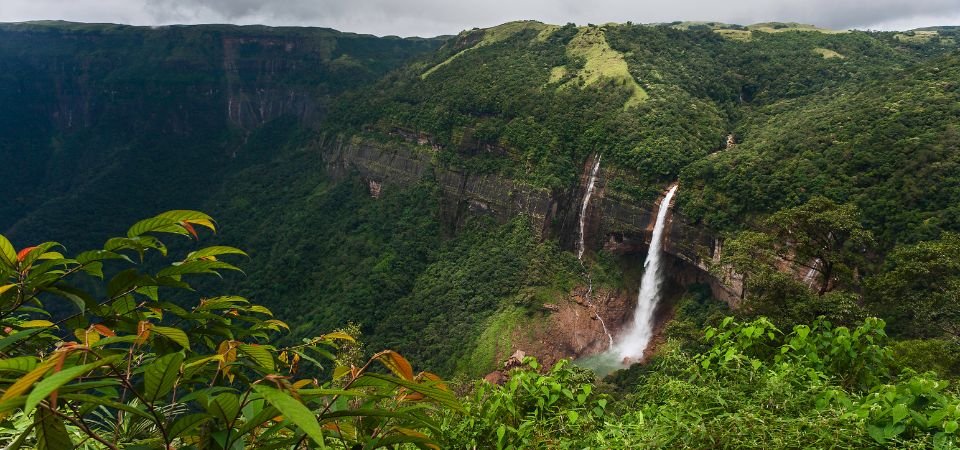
[{"x": 573, "y": 329}]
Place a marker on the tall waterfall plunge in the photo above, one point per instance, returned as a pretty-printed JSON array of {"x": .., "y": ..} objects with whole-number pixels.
[{"x": 635, "y": 341}]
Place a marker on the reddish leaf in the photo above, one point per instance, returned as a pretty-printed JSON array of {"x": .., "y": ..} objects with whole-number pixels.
[
  {"x": 190, "y": 228},
  {"x": 23, "y": 253},
  {"x": 396, "y": 363},
  {"x": 104, "y": 330},
  {"x": 143, "y": 332}
]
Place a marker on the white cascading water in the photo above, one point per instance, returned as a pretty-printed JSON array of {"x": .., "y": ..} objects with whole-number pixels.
[
  {"x": 635, "y": 341},
  {"x": 583, "y": 207},
  {"x": 591, "y": 185},
  {"x": 808, "y": 279}
]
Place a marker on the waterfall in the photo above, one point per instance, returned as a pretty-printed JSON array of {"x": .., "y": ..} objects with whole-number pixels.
[
  {"x": 595, "y": 312},
  {"x": 808, "y": 279},
  {"x": 583, "y": 207},
  {"x": 581, "y": 246},
  {"x": 632, "y": 345}
]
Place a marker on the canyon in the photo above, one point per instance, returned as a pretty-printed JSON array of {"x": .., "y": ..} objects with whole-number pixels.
[{"x": 577, "y": 326}]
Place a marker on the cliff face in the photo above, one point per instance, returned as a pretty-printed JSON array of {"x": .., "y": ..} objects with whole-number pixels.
[
  {"x": 394, "y": 166},
  {"x": 146, "y": 117},
  {"x": 572, "y": 327},
  {"x": 615, "y": 225},
  {"x": 185, "y": 78}
]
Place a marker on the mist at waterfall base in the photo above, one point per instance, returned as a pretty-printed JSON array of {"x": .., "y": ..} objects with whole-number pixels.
[{"x": 630, "y": 346}]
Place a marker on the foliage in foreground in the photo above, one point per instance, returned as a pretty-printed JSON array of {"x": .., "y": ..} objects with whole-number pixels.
[
  {"x": 818, "y": 386},
  {"x": 143, "y": 364}
]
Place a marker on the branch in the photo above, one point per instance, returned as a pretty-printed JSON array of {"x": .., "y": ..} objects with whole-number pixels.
[{"x": 83, "y": 426}]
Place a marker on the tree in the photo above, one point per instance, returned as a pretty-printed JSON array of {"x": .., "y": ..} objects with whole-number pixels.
[
  {"x": 749, "y": 254},
  {"x": 919, "y": 288},
  {"x": 822, "y": 236},
  {"x": 146, "y": 361}
]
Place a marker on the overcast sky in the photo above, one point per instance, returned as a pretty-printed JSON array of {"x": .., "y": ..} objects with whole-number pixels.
[{"x": 436, "y": 17}]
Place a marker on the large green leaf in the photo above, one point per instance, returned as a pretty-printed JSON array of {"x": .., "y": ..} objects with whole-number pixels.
[
  {"x": 225, "y": 406},
  {"x": 293, "y": 411},
  {"x": 155, "y": 225},
  {"x": 161, "y": 375},
  {"x": 51, "y": 432},
  {"x": 101, "y": 400},
  {"x": 8, "y": 254},
  {"x": 45, "y": 387},
  {"x": 258, "y": 418},
  {"x": 174, "y": 334},
  {"x": 99, "y": 255},
  {"x": 196, "y": 267},
  {"x": 222, "y": 302},
  {"x": 19, "y": 336},
  {"x": 185, "y": 215},
  {"x": 215, "y": 250},
  {"x": 20, "y": 364},
  {"x": 79, "y": 298},
  {"x": 122, "y": 282},
  {"x": 186, "y": 423},
  {"x": 260, "y": 355}
]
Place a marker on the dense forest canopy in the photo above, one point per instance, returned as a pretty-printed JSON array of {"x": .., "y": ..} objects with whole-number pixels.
[{"x": 823, "y": 166}]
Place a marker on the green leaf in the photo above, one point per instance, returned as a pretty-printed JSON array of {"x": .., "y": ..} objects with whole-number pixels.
[
  {"x": 258, "y": 418},
  {"x": 79, "y": 298},
  {"x": 259, "y": 355},
  {"x": 215, "y": 250},
  {"x": 36, "y": 324},
  {"x": 155, "y": 225},
  {"x": 99, "y": 255},
  {"x": 122, "y": 282},
  {"x": 225, "y": 406},
  {"x": 224, "y": 302},
  {"x": 900, "y": 411},
  {"x": 293, "y": 411},
  {"x": 196, "y": 267},
  {"x": 174, "y": 334},
  {"x": 161, "y": 375},
  {"x": 20, "y": 364},
  {"x": 950, "y": 426},
  {"x": 99, "y": 400},
  {"x": 24, "y": 434},
  {"x": 186, "y": 423},
  {"x": 8, "y": 254},
  {"x": 45, "y": 387},
  {"x": 185, "y": 215},
  {"x": 51, "y": 432}
]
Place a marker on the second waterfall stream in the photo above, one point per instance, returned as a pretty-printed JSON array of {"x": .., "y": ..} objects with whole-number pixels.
[{"x": 636, "y": 339}]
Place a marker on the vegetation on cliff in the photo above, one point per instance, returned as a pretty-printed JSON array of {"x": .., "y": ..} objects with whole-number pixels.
[{"x": 836, "y": 203}]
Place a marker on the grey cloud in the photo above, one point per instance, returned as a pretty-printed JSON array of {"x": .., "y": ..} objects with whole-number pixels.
[{"x": 433, "y": 17}]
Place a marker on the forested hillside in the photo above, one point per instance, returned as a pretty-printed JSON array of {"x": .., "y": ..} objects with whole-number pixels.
[
  {"x": 100, "y": 115},
  {"x": 813, "y": 259}
]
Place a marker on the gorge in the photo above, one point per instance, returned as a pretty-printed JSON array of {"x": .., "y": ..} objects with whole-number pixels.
[
  {"x": 668, "y": 235},
  {"x": 285, "y": 133}
]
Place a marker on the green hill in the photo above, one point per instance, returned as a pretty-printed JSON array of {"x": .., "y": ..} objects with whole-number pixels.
[{"x": 105, "y": 124}]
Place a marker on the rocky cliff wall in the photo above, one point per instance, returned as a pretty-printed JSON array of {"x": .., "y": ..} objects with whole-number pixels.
[
  {"x": 185, "y": 79},
  {"x": 617, "y": 226}
]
